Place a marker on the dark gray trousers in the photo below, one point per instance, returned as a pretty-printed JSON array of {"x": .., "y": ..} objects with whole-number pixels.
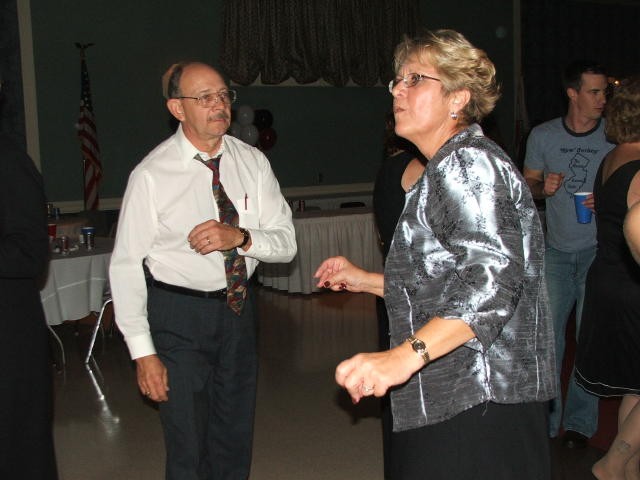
[{"x": 211, "y": 357}]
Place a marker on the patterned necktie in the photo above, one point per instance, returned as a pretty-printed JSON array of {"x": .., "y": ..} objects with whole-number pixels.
[{"x": 234, "y": 265}]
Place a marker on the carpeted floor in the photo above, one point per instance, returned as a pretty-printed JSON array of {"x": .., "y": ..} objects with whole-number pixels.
[{"x": 306, "y": 427}]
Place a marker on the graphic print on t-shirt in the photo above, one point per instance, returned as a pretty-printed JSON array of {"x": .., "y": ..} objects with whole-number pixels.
[{"x": 578, "y": 176}]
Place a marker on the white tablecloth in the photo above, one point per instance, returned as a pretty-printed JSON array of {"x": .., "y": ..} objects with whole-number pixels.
[
  {"x": 351, "y": 233},
  {"x": 76, "y": 283},
  {"x": 320, "y": 330}
]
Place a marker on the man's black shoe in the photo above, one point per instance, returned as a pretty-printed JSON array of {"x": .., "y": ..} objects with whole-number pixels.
[{"x": 575, "y": 440}]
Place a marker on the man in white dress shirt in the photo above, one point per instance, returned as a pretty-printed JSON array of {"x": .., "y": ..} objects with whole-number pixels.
[{"x": 194, "y": 354}]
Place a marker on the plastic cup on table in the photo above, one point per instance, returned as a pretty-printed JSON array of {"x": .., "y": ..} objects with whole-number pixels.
[
  {"x": 89, "y": 235},
  {"x": 583, "y": 214},
  {"x": 64, "y": 245},
  {"x": 51, "y": 229}
]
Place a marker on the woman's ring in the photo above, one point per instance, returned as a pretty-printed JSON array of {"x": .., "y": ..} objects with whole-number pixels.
[
  {"x": 147, "y": 393},
  {"x": 367, "y": 389},
  {"x": 208, "y": 241}
]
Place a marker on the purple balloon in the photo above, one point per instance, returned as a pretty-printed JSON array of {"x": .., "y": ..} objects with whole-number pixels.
[
  {"x": 262, "y": 119},
  {"x": 267, "y": 138}
]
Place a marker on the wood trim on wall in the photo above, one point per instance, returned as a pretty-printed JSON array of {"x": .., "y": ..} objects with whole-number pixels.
[
  {"x": 290, "y": 193},
  {"x": 29, "y": 81}
]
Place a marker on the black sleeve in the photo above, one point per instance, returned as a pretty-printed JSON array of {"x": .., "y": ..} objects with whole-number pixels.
[
  {"x": 24, "y": 244},
  {"x": 389, "y": 197}
]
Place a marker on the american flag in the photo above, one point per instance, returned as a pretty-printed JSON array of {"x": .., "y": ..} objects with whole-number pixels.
[{"x": 88, "y": 137}]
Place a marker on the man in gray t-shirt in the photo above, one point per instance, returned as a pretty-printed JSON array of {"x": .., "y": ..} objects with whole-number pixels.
[{"x": 563, "y": 156}]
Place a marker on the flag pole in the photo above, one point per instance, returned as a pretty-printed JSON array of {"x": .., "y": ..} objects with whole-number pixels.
[
  {"x": 87, "y": 136},
  {"x": 81, "y": 48}
]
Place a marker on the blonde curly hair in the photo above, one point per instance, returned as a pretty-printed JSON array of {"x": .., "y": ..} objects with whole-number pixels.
[{"x": 460, "y": 66}]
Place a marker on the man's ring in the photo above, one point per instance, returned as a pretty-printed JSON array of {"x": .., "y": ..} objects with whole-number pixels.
[
  {"x": 367, "y": 389},
  {"x": 208, "y": 241},
  {"x": 147, "y": 393}
]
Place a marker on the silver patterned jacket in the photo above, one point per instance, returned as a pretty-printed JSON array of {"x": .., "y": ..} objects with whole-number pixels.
[{"x": 469, "y": 245}]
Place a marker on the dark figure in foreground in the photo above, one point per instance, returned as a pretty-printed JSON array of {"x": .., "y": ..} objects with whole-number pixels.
[{"x": 26, "y": 388}]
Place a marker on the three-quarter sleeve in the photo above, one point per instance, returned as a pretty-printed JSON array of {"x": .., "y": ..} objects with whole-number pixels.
[{"x": 474, "y": 216}]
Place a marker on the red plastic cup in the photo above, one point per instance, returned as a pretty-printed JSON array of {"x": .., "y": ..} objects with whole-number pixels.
[{"x": 51, "y": 228}]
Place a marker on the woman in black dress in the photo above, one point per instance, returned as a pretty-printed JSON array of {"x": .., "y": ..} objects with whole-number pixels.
[
  {"x": 609, "y": 343},
  {"x": 402, "y": 166}
]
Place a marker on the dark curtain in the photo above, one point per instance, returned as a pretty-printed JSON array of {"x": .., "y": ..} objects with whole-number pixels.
[
  {"x": 11, "y": 102},
  {"x": 333, "y": 40},
  {"x": 555, "y": 32}
]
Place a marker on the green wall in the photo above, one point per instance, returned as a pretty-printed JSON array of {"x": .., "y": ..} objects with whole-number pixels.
[
  {"x": 335, "y": 132},
  {"x": 488, "y": 25}
]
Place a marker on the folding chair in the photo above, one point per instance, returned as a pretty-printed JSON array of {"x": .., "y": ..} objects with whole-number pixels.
[{"x": 105, "y": 303}]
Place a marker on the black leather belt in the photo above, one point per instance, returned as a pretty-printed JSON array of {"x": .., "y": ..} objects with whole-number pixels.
[{"x": 222, "y": 293}]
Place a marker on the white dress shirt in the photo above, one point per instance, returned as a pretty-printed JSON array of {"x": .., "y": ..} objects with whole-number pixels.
[{"x": 168, "y": 194}]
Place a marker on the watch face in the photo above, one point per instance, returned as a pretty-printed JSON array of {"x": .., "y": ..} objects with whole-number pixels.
[
  {"x": 418, "y": 345},
  {"x": 246, "y": 235}
]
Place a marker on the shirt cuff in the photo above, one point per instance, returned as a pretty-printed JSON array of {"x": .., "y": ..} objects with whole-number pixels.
[{"x": 140, "y": 346}]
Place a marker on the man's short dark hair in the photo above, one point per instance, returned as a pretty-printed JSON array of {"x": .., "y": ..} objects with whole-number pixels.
[
  {"x": 173, "y": 85},
  {"x": 572, "y": 75}
]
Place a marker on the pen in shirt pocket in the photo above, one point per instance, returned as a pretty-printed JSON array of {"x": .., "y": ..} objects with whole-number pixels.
[{"x": 246, "y": 199}]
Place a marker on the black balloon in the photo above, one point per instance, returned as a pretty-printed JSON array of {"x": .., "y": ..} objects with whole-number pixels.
[
  {"x": 262, "y": 119},
  {"x": 267, "y": 138}
]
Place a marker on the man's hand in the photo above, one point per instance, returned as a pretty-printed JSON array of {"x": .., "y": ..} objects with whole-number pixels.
[
  {"x": 213, "y": 236},
  {"x": 542, "y": 186},
  {"x": 152, "y": 378},
  {"x": 552, "y": 182}
]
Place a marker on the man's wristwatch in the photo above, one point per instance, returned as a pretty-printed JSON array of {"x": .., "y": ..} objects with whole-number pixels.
[
  {"x": 245, "y": 233},
  {"x": 420, "y": 348}
]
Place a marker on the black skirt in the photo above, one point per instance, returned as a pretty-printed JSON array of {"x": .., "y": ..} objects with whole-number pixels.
[{"x": 496, "y": 441}]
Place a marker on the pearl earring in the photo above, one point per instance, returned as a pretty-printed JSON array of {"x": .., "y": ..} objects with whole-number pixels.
[{"x": 454, "y": 115}]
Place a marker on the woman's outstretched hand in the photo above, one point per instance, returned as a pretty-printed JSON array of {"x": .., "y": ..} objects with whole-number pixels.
[{"x": 338, "y": 273}]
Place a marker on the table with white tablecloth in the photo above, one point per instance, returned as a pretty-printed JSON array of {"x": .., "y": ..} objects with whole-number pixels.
[
  {"x": 350, "y": 232},
  {"x": 76, "y": 282}
]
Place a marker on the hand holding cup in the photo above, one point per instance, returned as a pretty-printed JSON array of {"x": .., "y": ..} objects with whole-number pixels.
[{"x": 584, "y": 203}]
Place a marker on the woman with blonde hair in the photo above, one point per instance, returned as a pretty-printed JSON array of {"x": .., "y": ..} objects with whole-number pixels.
[{"x": 471, "y": 361}]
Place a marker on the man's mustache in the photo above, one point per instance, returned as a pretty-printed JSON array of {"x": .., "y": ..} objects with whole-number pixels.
[{"x": 219, "y": 116}]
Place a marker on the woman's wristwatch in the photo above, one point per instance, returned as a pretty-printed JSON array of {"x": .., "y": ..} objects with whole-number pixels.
[{"x": 420, "y": 348}]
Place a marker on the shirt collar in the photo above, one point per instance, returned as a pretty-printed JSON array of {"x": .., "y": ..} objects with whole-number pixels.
[{"x": 188, "y": 150}]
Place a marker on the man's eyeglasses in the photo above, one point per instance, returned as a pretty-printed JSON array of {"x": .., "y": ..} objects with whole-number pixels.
[
  {"x": 210, "y": 99},
  {"x": 410, "y": 80}
]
